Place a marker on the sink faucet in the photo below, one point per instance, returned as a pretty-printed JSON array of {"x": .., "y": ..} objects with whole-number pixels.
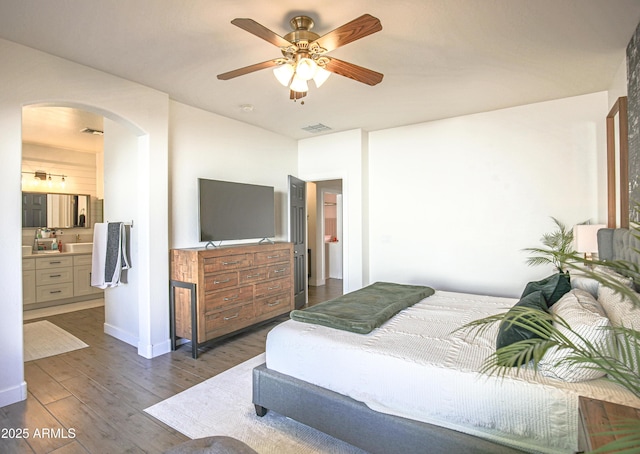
[{"x": 78, "y": 238}]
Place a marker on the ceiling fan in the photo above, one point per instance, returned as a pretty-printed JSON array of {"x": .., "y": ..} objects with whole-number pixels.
[{"x": 304, "y": 53}]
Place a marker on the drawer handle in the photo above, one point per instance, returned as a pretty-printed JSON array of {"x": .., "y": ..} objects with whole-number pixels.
[
  {"x": 231, "y": 263},
  {"x": 221, "y": 282},
  {"x": 273, "y": 256},
  {"x": 274, "y": 303},
  {"x": 232, "y": 317},
  {"x": 280, "y": 271},
  {"x": 230, "y": 298},
  {"x": 55, "y": 291},
  {"x": 249, "y": 276},
  {"x": 275, "y": 288},
  {"x": 55, "y": 263},
  {"x": 55, "y": 275}
]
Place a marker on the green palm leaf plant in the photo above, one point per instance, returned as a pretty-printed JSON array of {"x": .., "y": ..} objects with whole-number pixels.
[{"x": 619, "y": 362}]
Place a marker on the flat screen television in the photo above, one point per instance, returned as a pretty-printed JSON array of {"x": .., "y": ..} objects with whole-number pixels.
[{"x": 235, "y": 211}]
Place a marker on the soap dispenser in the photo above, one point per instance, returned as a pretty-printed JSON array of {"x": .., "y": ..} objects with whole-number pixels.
[{"x": 54, "y": 245}]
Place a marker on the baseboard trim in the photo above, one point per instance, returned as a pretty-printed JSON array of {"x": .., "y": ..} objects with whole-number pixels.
[
  {"x": 151, "y": 351},
  {"x": 14, "y": 394},
  {"x": 120, "y": 334}
]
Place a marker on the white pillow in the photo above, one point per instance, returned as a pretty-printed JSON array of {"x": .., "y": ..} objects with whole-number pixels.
[
  {"x": 585, "y": 283},
  {"x": 622, "y": 312},
  {"x": 612, "y": 274},
  {"x": 580, "y": 310}
]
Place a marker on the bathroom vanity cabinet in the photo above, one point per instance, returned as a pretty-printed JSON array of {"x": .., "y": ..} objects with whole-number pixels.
[{"x": 54, "y": 279}]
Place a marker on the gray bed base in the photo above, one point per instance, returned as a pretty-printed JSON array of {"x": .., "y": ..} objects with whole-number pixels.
[{"x": 355, "y": 423}]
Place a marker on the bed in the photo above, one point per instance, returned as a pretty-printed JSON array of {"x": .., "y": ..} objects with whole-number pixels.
[{"x": 412, "y": 385}]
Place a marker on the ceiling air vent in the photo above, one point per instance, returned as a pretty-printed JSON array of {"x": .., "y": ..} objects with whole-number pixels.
[
  {"x": 314, "y": 129},
  {"x": 95, "y": 132}
]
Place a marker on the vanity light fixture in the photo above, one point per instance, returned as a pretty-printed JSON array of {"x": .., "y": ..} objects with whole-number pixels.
[{"x": 40, "y": 176}]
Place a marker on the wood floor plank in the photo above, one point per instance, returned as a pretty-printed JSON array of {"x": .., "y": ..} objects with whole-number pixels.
[
  {"x": 94, "y": 433},
  {"x": 127, "y": 420},
  {"x": 44, "y": 387},
  {"x": 35, "y": 417},
  {"x": 72, "y": 448}
]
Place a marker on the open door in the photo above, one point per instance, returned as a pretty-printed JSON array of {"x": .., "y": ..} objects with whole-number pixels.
[{"x": 297, "y": 235}]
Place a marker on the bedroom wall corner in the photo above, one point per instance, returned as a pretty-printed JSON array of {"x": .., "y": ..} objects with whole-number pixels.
[{"x": 340, "y": 156}]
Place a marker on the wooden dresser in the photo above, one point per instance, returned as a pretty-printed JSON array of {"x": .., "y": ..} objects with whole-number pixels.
[
  {"x": 598, "y": 419},
  {"x": 215, "y": 292}
]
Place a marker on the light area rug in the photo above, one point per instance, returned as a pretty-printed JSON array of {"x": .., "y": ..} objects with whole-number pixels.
[
  {"x": 43, "y": 339},
  {"x": 222, "y": 406}
]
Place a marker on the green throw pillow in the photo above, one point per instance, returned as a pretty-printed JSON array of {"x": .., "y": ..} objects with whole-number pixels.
[
  {"x": 552, "y": 287},
  {"x": 511, "y": 333}
]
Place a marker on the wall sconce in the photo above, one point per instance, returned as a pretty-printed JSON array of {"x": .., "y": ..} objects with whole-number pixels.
[{"x": 40, "y": 176}]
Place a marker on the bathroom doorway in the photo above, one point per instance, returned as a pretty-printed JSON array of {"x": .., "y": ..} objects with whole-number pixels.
[
  {"x": 62, "y": 159},
  {"x": 325, "y": 233}
]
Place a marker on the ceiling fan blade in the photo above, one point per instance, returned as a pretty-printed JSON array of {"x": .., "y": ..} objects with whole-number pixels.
[
  {"x": 355, "y": 72},
  {"x": 247, "y": 69},
  {"x": 364, "y": 25},
  {"x": 261, "y": 32}
]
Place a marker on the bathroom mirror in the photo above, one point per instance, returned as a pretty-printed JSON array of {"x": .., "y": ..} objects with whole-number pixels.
[{"x": 55, "y": 211}]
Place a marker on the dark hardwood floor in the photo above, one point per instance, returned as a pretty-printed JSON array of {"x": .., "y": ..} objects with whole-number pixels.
[{"x": 92, "y": 400}]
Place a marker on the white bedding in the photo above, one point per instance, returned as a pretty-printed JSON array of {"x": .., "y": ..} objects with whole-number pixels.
[{"x": 414, "y": 367}]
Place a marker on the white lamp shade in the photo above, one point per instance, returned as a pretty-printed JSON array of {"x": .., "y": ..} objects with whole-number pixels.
[
  {"x": 585, "y": 237},
  {"x": 284, "y": 73},
  {"x": 306, "y": 69},
  {"x": 321, "y": 76},
  {"x": 299, "y": 85}
]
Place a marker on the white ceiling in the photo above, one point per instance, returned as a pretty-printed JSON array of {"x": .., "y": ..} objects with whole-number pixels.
[{"x": 440, "y": 58}]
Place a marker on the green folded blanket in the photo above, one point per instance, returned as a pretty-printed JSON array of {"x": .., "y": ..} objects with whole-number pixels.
[{"x": 365, "y": 309}]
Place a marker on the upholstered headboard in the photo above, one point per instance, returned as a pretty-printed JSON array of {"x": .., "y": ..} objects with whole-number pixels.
[{"x": 618, "y": 244}]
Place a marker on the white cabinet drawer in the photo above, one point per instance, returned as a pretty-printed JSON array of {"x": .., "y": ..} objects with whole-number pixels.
[
  {"x": 54, "y": 292},
  {"x": 53, "y": 262},
  {"x": 82, "y": 259},
  {"x": 28, "y": 264},
  {"x": 54, "y": 276}
]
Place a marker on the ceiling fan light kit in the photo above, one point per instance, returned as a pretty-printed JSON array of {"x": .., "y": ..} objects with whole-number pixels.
[{"x": 304, "y": 53}]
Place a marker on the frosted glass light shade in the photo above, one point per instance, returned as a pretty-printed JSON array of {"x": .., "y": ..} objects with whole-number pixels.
[
  {"x": 585, "y": 237},
  {"x": 306, "y": 68},
  {"x": 284, "y": 73},
  {"x": 299, "y": 84},
  {"x": 321, "y": 76}
]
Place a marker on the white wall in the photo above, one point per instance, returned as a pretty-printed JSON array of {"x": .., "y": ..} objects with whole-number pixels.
[
  {"x": 29, "y": 77},
  {"x": 341, "y": 156},
  {"x": 454, "y": 202},
  {"x": 205, "y": 145},
  {"x": 618, "y": 86},
  {"x": 121, "y": 304}
]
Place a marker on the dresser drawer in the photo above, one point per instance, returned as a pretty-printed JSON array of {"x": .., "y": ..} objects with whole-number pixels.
[
  {"x": 272, "y": 287},
  {"x": 254, "y": 275},
  {"x": 227, "y": 262},
  {"x": 225, "y": 298},
  {"x": 279, "y": 270},
  {"x": 54, "y": 276},
  {"x": 267, "y": 257},
  {"x": 220, "y": 281},
  {"x": 273, "y": 304},
  {"x": 54, "y": 292},
  {"x": 229, "y": 320},
  {"x": 53, "y": 262}
]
